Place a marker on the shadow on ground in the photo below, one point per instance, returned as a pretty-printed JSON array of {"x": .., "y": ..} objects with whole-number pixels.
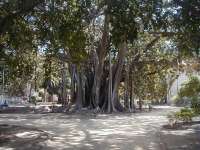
[
  {"x": 103, "y": 132},
  {"x": 183, "y": 136},
  {"x": 21, "y": 138}
]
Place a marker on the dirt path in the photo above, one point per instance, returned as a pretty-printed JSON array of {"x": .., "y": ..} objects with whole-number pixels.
[{"x": 140, "y": 131}]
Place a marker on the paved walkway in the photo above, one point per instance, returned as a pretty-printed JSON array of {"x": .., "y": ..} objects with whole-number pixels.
[{"x": 140, "y": 131}]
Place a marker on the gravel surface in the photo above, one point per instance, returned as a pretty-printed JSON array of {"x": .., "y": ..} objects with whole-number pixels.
[{"x": 139, "y": 131}]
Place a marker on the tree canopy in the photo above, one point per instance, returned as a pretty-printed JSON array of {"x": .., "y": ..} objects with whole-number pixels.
[{"x": 98, "y": 46}]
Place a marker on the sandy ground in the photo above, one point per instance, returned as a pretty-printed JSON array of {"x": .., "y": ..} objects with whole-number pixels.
[{"x": 140, "y": 131}]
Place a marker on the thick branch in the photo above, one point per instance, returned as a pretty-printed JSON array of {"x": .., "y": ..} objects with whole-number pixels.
[
  {"x": 156, "y": 71},
  {"x": 151, "y": 44}
]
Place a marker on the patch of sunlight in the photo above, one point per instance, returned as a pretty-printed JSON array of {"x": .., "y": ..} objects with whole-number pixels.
[
  {"x": 89, "y": 145},
  {"x": 103, "y": 132},
  {"x": 106, "y": 132},
  {"x": 42, "y": 122},
  {"x": 119, "y": 138},
  {"x": 69, "y": 139},
  {"x": 6, "y": 148},
  {"x": 98, "y": 139},
  {"x": 75, "y": 135},
  {"x": 15, "y": 120},
  {"x": 59, "y": 144},
  {"x": 179, "y": 132},
  {"x": 30, "y": 134},
  {"x": 58, "y": 138},
  {"x": 115, "y": 147},
  {"x": 29, "y": 124},
  {"x": 160, "y": 118},
  {"x": 75, "y": 143},
  {"x": 77, "y": 139},
  {"x": 49, "y": 132},
  {"x": 165, "y": 107},
  {"x": 152, "y": 146},
  {"x": 138, "y": 148}
]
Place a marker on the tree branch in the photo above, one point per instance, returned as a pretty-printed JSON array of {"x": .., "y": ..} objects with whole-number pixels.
[
  {"x": 150, "y": 45},
  {"x": 7, "y": 20}
]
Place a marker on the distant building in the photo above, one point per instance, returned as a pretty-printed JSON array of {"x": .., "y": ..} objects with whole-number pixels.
[{"x": 186, "y": 70}]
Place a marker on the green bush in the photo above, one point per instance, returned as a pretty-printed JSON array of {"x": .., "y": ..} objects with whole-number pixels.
[
  {"x": 190, "y": 88},
  {"x": 195, "y": 105},
  {"x": 176, "y": 98},
  {"x": 33, "y": 100},
  {"x": 185, "y": 114},
  {"x": 189, "y": 94}
]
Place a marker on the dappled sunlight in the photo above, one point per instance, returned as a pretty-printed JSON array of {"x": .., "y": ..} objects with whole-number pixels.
[
  {"x": 106, "y": 132},
  {"x": 86, "y": 74},
  {"x": 102, "y": 132},
  {"x": 185, "y": 138},
  {"x": 6, "y": 148},
  {"x": 30, "y": 134},
  {"x": 138, "y": 148},
  {"x": 179, "y": 132},
  {"x": 21, "y": 137}
]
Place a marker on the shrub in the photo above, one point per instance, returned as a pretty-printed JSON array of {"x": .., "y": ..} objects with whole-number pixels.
[
  {"x": 185, "y": 114},
  {"x": 176, "y": 98},
  {"x": 33, "y": 100},
  {"x": 180, "y": 101},
  {"x": 41, "y": 93},
  {"x": 189, "y": 94},
  {"x": 195, "y": 105}
]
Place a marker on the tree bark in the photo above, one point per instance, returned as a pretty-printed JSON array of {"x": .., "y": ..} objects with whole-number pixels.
[
  {"x": 79, "y": 93},
  {"x": 73, "y": 86},
  {"x": 64, "y": 88},
  {"x": 118, "y": 75},
  {"x": 110, "y": 103},
  {"x": 140, "y": 104},
  {"x": 99, "y": 59},
  {"x": 131, "y": 105},
  {"x": 126, "y": 88}
]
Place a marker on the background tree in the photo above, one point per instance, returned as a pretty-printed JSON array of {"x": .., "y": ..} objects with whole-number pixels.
[{"x": 98, "y": 47}]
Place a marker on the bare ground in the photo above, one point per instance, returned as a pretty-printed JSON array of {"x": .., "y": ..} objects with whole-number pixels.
[{"x": 140, "y": 131}]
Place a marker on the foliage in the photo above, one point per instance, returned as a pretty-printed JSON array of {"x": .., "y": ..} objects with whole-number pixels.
[
  {"x": 185, "y": 115},
  {"x": 195, "y": 105},
  {"x": 122, "y": 15},
  {"x": 37, "y": 39},
  {"x": 191, "y": 90},
  {"x": 187, "y": 15},
  {"x": 33, "y": 100},
  {"x": 149, "y": 74}
]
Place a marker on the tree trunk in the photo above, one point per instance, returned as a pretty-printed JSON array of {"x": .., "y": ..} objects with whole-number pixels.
[
  {"x": 140, "y": 104},
  {"x": 45, "y": 95},
  {"x": 35, "y": 70},
  {"x": 79, "y": 93},
  {"x": 99, "y": 58},
  {"x": 110, "y": 103},
  {"x": 63, "y": 88},
  {"x": 132, "y": 105},
  {"x": 73, "y": 86},
  {"x": 118, "y": 75},
  {"x": 126, "y": 89},
  {"x": 30, "y": 91}
]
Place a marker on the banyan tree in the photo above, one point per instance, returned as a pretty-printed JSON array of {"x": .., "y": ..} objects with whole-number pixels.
[{"x": 111, "y": 51}]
